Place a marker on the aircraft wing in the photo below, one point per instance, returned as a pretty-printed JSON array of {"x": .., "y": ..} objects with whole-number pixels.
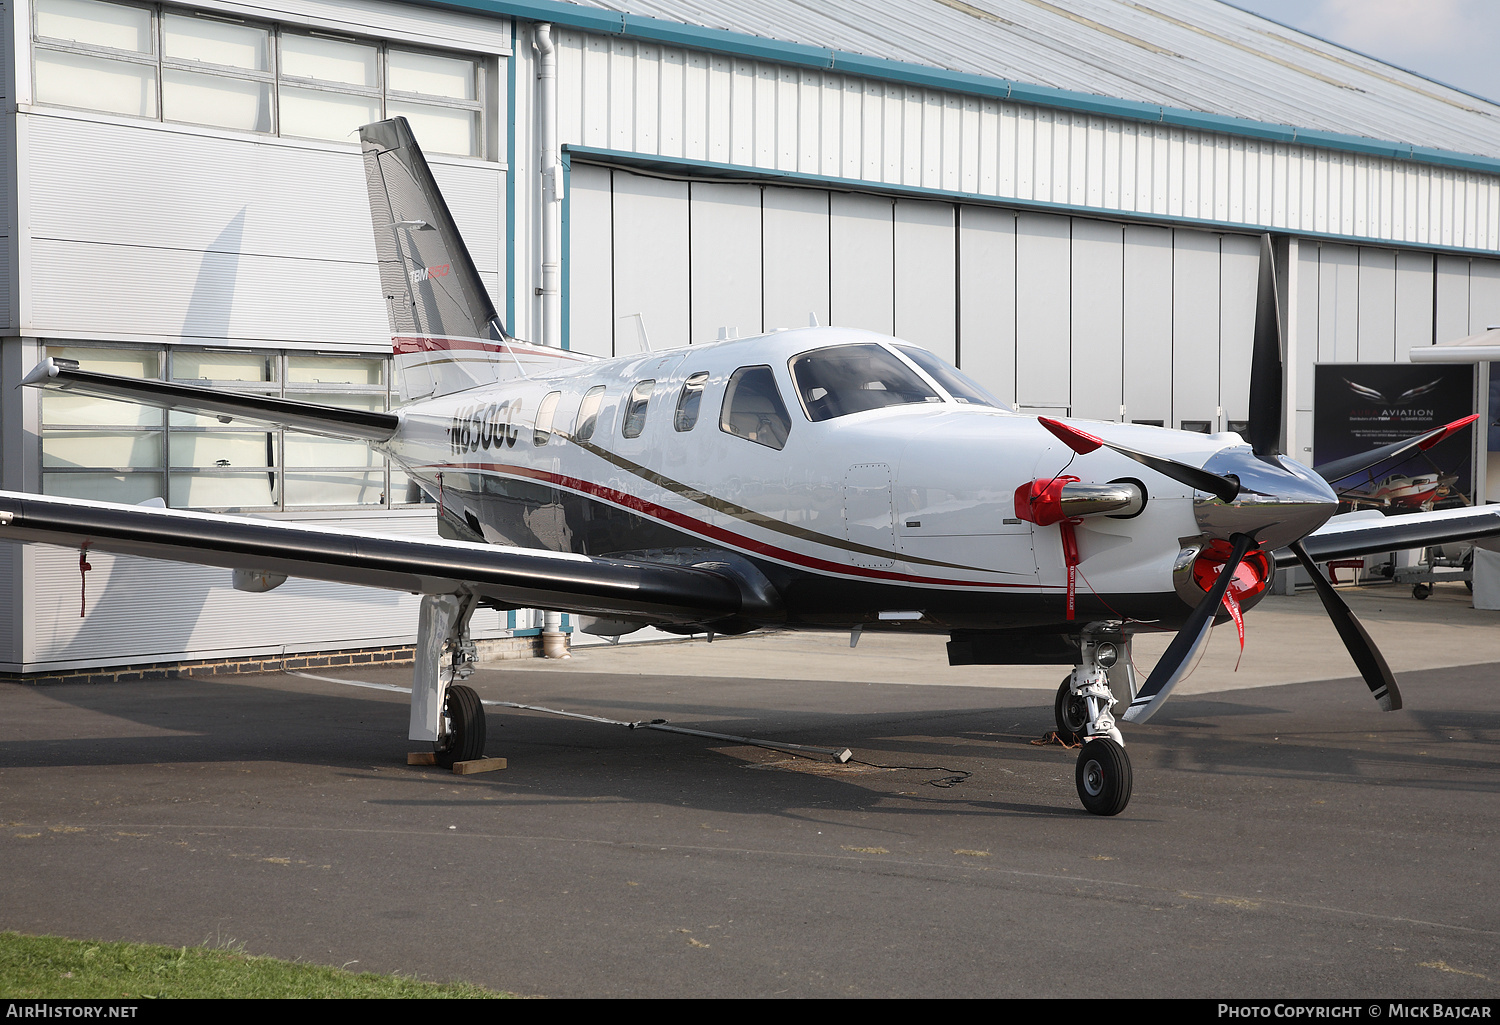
[
  {"x": 1371, "y": 531},
  {"x": 512, "y": 577},
  {"x": 365, "y": 425}
]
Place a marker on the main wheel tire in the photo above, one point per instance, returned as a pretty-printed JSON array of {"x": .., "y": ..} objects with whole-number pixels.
[
  {"x": 464, "y": 739},
  {"x": 1070, "y": 711},
  {"x": 1104, "y": 777}
]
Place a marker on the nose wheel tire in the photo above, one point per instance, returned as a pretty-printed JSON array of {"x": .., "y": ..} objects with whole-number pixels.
[
  {"x": 464, "y": 738},
  {"x": 1070, "y": 711},
  {"x": 1104, "y": 777}
]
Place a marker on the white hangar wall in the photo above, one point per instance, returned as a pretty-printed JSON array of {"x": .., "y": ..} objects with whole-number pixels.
[
  {"x": 1053, "y": 312},
  {"x": 1069, "y": 261}
]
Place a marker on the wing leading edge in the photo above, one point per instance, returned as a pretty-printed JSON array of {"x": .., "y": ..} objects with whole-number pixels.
[
  {"x": 1371, "y": 531},
  {"x": 514, "y": 577}
]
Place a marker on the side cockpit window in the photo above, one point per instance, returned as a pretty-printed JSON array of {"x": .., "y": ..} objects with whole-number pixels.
[
  {"x": 959, "y": 385},
  {"x": 588, "y": 414},
  {"x": 753, "y": 409},
  {"x": 844, "y": 379},
  {"x": 689, "y": 401},
  {"x": 635, "y": 409}
]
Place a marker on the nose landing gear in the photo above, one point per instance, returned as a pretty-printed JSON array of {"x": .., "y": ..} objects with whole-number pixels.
[{"x": 1083, "y": 711}]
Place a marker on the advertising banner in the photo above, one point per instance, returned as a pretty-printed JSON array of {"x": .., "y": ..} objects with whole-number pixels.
[{"x": 1360, "y": 406}]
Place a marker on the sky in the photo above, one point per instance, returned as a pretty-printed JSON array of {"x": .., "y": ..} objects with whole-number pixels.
[{"x": 1452, "y": 41}]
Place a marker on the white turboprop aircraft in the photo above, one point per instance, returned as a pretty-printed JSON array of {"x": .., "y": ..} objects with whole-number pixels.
[{"x": 818, "y": 478}]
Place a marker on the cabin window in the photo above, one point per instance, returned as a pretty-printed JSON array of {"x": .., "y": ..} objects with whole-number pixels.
[
  {"x": 588, "y": 414},
  {"x": 844, "y": 379},
  {"x": 635, "y": 409},
  {"x": 954, "y": 381},
  {"x": 753, "y": 409},
  {"x": 542, "y": 432},
  {"x": 689, "y": 401}
]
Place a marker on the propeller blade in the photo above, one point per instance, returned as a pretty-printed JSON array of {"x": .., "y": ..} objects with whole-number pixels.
[
  {"x": 1264, "y": 433},
  {"x": 1338, "y": 469},
  {"x": 1366, "y": 656},
  {"x": 1189, "y": 639},
  {"x": 1083, "y": 443}
]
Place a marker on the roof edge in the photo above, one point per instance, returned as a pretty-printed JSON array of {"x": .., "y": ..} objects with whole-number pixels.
[{"x": 697, "y": 37}]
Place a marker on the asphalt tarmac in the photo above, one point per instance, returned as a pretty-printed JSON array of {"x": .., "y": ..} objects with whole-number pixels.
[{"x": 1284, "y": 840}]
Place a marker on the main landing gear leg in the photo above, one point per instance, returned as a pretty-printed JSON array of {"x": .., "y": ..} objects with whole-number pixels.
[
  {"x": 443, "y": 712},
  {"x": 1083, "y": 707}
]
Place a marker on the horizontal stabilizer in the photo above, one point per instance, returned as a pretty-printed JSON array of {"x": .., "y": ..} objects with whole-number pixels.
[
  {"x": 362, "y": 424},
  {"x": 513, "y": 577}
]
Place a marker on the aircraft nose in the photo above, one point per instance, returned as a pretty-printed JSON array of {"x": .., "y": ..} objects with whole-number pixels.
[{"x": 1280, "y": 500}]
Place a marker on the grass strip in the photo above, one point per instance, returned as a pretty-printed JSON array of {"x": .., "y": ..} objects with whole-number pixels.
[{"x": 49, "y": 967}]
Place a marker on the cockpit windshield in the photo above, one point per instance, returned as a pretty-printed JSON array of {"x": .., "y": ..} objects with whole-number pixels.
[
  {"x": 844, "y": 379},
  {"x": 957, "y": 383}
]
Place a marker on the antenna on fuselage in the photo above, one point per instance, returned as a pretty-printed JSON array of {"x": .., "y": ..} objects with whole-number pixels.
[{"x": 640, "y": 331}]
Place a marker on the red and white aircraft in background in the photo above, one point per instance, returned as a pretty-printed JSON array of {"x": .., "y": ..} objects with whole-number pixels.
[{"x": 817, "y": 478}]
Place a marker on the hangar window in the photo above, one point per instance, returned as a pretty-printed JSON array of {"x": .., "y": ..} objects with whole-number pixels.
[
  {"x": 753, "y": 409},
  {"x": 172, "y": 64},
  {"x": 216, "y": 72},
  {"x": 96, "y": 55},
  {"x": 120, "y": 451}
]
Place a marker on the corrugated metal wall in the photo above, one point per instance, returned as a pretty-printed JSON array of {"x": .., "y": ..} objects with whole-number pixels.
[
  {"x": 642, "y": 98},
  {"x": 146, "y": 610},
  {"x": 7, "y": 174},
  {"x": 166, "y": 233}
]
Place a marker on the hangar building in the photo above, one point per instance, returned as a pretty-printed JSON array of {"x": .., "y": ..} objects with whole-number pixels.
[{"x": 1062, "y": 196}]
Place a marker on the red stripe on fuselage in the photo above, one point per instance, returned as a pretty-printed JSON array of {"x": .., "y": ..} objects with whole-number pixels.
[{"x": 706, "y": 529}]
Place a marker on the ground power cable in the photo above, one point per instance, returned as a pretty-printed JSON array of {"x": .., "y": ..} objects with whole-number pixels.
[
  {"x": 838, "y": 754},
  {"x": 842, "y": 755}
]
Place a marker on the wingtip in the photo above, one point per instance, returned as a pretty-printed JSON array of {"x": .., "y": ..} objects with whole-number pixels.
[{"x": 43, "y": 371}]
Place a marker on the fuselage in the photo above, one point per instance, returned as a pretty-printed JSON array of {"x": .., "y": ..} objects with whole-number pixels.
[{"x": 902, "y": 513}]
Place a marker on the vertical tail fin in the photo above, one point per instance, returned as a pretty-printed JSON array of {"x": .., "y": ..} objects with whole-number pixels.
[{"x": 446, "y": 334}]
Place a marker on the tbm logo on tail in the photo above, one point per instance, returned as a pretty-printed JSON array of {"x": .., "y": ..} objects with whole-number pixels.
[{"x": 421, "y": 274}]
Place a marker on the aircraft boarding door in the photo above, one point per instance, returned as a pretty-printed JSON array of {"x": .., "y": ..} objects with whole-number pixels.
[{"x": 869, "y": 518}]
